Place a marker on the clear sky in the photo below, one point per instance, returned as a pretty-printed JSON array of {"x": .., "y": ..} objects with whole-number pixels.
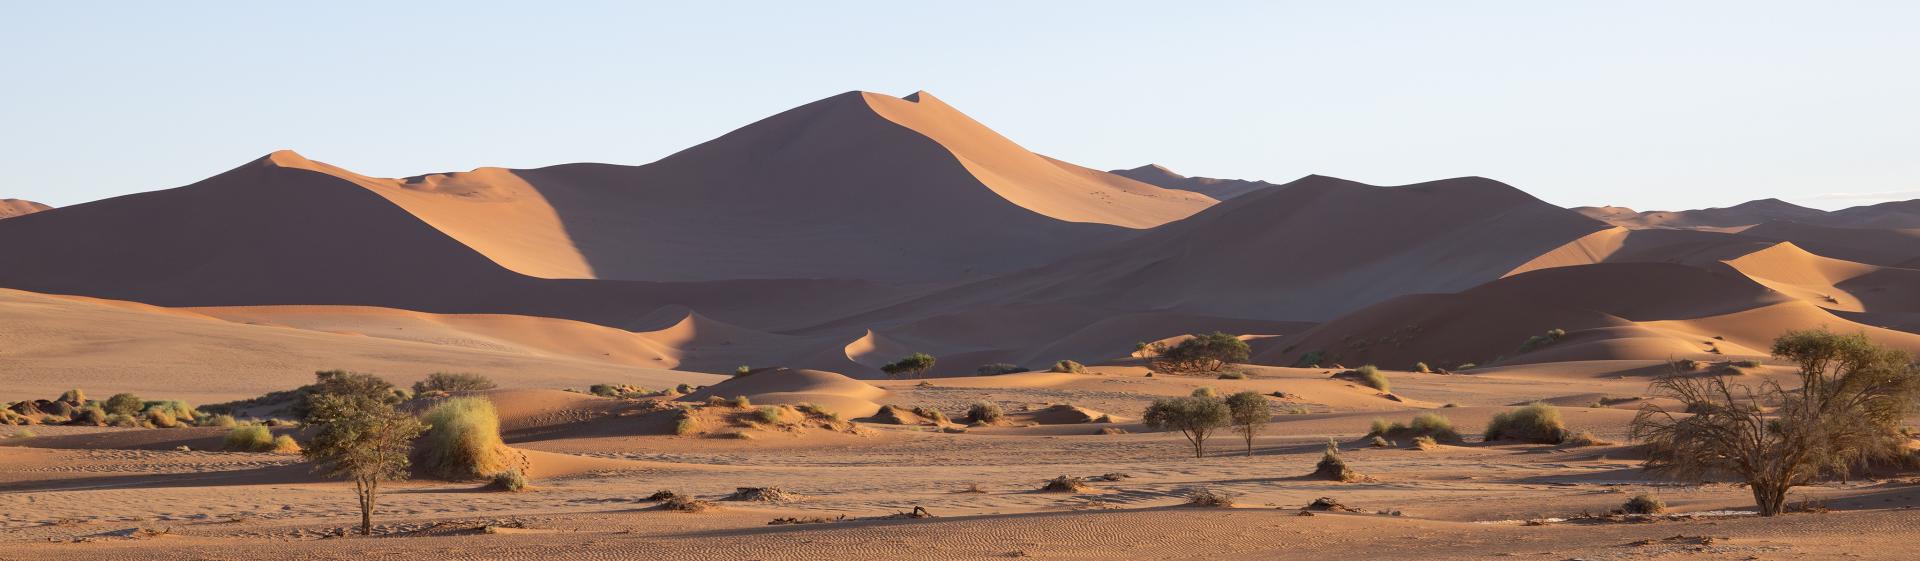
[{"x": 1655, "y": 105}]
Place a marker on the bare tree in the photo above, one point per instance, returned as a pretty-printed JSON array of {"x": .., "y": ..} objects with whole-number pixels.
[{"x": 1846, "y": 412}]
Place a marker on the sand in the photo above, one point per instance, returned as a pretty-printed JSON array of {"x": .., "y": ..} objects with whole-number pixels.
[{"x": 10, "y": 208}]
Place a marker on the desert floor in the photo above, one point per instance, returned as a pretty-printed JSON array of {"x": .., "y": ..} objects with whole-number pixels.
[{"x": 99, "y": 493}]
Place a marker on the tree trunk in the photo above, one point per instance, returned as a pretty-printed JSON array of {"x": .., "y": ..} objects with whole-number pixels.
[
  {"x": 367, "y": 489},
  {"x": 1200, "y": 447},
  {"x": 1249, "y": 444},
  {"x": 1770, "y": 497}
]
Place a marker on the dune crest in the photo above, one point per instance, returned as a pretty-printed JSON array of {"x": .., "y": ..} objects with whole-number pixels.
[{"x": 10, "y": 208}]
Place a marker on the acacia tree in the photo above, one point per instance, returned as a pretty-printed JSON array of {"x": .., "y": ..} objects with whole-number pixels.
[
  {"x": 912, "y": 366},
  {"x": 1249, "y": 412},
  {"x": 1196, "y": 417},
  {"x": 1846, "y": 412},
  {"x": 362, "y": 437},
  {"x": 1203, "y": 353}
]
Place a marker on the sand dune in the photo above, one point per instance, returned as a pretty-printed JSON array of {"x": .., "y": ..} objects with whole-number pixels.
[
  {"x": 1221, "y": 189},
  {"x": 1832, "y": 283},
  {"x": 1885, "y": 247},
  {"x": 55, "y": 343},
  {"x": 846, "y": 396},
  {"x": 10, "y": 208},
  {"x": 1743, "y": 214}
]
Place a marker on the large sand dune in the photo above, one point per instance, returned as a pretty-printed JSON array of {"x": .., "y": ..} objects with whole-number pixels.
[
  {"x": 1221, "y": 189},
  {"x": 10, "y": 208}
]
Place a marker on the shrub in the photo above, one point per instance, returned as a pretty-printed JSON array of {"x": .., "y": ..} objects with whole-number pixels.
[
  {"x": 1381, "y": 442},
  {"x": 73, "y": 396},
  {"x": 90, "y": 415},
  {"x": 161, "y": 419},
  {"x": 999, "y": 368},
  {"x": 1747, "y": 363},
  {"x": 178, "y": 409},
  {"x": 1435, "y": 426},
  {"x": 284, "y": 444},
  {"x": 740, "y": 402},
  {"x": 1538, "y": 341},
  {"x": 1205, "y": 497},
  {"x": 1465, "y": 366},
  {"x": 930, "y": 414},
  {"x": 1203, "y": 353},
  {"x": 912, "y": 366},
  {"x": 1069, "y": 367},
  {"x": 683, "y": 389},
  {"x": 817, "y": 411},
  {"x": 1425, "y": 443},
  {"x": 985, "y": 412},
  {"x": 1686, "y": 364},
  {"x": 1644, "y": 504},
  {"x": 223, "y": 421},
  {"x": 1309, "y": 360},
  {"x": 451, "y": 382},
  {"x": 768, "y": 415},
  {"x": 22, "y": 433},
  {"x": 1422, "y": 368},
  {"x": 1368, "y": 376},
  {"x": 254, "y": 438},
  {"x": 1847, "y": 411},
  {"x": 743, "y": 370},
  {"x": 1381, "y": 427},
  {"x": 463, "y": 440},
  {"x": 1065, "y": 484},
  {"x": 123, "y": 404},
  {"x": 1236, "y": 375},
  {"x": 1585, "y": 438},
  {"x": 1332, "y": 467},
  {"x": 511, "y": 481},
  {"x": 1536, "y": 422},
  {"x": 346, "y": 386},
  {"x": 604, "y": 390},
  {"x": 1249, "y": 412},
  {"x": 685, "y": 424},
  {"x": 1205, "y": 391},
  {"x": 1195, "y": 417},
  {"x": 124, "y": 421}
]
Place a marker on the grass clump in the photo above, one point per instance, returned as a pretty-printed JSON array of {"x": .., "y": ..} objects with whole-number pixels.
[
  {"x": 1381, "y": 442},
  {"x": 1368, "y": 376},
  {"x": 1422, "y": 368},
  {"x": 1425, "y": 443},
  {"x": 931, "y": 414},
  {"x": 1542, "y": 340},
  {"x": 222, "y": 420},
  {"x": 161, "y": 419},
  {"x": 684, "y": 424},
  {"x": 815, "y": 410},
  {"x": 1065, "y": 484},
  {"x": 253, "y": 438},
  {"x": 1206, "y": 497},
  {"x": 463, "y": 440},
  {"x": 985, "y": 412},
  {"x": 769, "y": 415},
  {"x": 284, "y": 444},
  {"x": 1069, "y": 367},
  {"x": 1205, "y": 392},
  {"x": 1332, "y": 467},
  {"x": 1536, "y": 422},
  {"x": 739, "y": 402},
  {"x": 1644, "y": 504},
  {"x": 1234, "y": 375},
  {"x": 511, "y": 481},
  {"x": 123, "y": 404},
  {"x": 1747, "y": 363},
  {"x": 1585, "y": 438},
  {"x": 998, "y": 368},
  {"x": 1432, "y": 425},
  {"x": 451, "y": 382}
]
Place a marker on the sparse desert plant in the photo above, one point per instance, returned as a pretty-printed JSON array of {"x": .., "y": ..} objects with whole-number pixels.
[
  {"x": 931, "y": 414},
  {"x": 1425, "y": 443},
  {"x": 816, "y": 410},
  {"x": 743, "y": 370},
  {"x": 73, "y": 397},
  {"x": 251, "y": 438},
  {"x": 1203, "y": 353},
  {"x": 22, "y": 433},
  {"x": 769, "y": 415},
  {"x": 736, "y": 435},
  {"x": 1234, "y": 375},
  {"x": 1249, "y": 412},
  {"x": 123, "y": 421},
  {"x": 1847, "y": 411},
  {"x": 1381, "y": 442},
  {"x": 1381, "y": 427},
  {"x": 91, "y": 415},
  {"x": 361, "y": 436},
  {"x": 604, "y": 390},
  {"x": 685, "y": 424},
  {"x": 512, "y": 481},
  {"x": 1465, "y": 366},
  {"x": 161, "y": 419},
  {"x": 1434, "y": 425},
  {"x": 740, "y": 402},
  {"x": 683, "y": 389},
  {"x": 1310, "y": 359},
  {"x": 685, "y": 503},
  {"x": 1195, "y": 417},
  {"x": 999, "y": 368},
  {"x": 222, "y": 420},
  {"x": 1144, "y": 349},
  {"x": 463, "y": 440},
  {"x": 1065, "y": 484},
  {"x": 1069, "y": 367},
  {"x": 1207, "y": 497},
  {"x": 912, "y": 366},
  {"x": 985, "y": 412},
  {"x": 1687, "y": 364},
  {"x": 1644, "y": 504},
  {"x": 1370, "y": 376},
  {"x": 1422, "y": 368},
  {"x": 1747, "y": 363},
  {"x": 1585, "y": 438},
  {"x": 284, "y": 444},
  {"x": 1332, "y": 467},
  {"x": 1535, "y": 422},
  {"x": 452, "y": 382},
  {"x": 123, "y": 404},
  {"x": 1205, "y": 391},
  {"x": 180, "y": 410},
  {"x": 1538, "y": 341}
]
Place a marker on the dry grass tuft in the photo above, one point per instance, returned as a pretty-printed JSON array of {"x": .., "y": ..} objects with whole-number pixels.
[
  {"x": 1065, "y": 484},
  {"x": 1206, "y": 497},
  {"x": 761, "y": 494}
]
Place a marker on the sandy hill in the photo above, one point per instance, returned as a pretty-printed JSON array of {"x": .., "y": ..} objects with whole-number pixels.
[
  {"x": 857, "y": 185},
  {"x": 1876, "y": 246},
  {"x": 51, "y": 343},
  {"x": 1221, "y": 189},
  {"x": 1895, "y": 214},
  {"x": 1743, "y": 214},
  {"x": 1308, "y": 250},
  {"x": 10, "y": 208},
  {"x": 849, "y": 397}
]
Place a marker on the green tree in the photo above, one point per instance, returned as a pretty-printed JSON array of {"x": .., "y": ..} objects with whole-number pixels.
[
  {"x": 361, "y": 436},
  {"x": 1195, "y": 417},
  {"x": 453, "y": 382},
  {"x": 1847, "y": 411},
  {"x": 1203, "y": 353},
  {"x": 912, "y": 366},
  {"x": 1250, "y": 413}
]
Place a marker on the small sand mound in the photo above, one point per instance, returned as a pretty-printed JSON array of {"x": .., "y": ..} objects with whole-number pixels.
[
  {"x": 762, "y": 494},
  {"x": 784, "y": 386},
  {"x": 682, "y": 503},
  {"x": 1067, "y": 414},
  {"x": 663, "y": 495},
  {"x": 894, "y": 415}
]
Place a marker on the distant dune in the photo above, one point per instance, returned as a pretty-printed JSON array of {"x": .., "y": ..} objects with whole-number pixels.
[
  {"x": 1221, "y": 189},
  {"x": 10, "y": 208}
]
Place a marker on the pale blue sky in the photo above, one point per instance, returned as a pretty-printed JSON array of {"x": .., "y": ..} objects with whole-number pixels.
[{"x": 1648, "y": 104}]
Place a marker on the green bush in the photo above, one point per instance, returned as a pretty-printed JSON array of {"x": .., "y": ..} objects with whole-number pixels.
[
  {"x": 253, "y": 438},
  {"x": 123, "y": 404},
  {"x": 911, "y": 366},
  {"x": 985, "y": 412},
  {"x": 1433, "y": 425},
  {"x": 999, "y": 368},
  {"x": 1537, "y": 422},
  {"x": 1204, "y": 353},
  {"x": 451, "y": 382},
  {"x": 463, "y": 440}
]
